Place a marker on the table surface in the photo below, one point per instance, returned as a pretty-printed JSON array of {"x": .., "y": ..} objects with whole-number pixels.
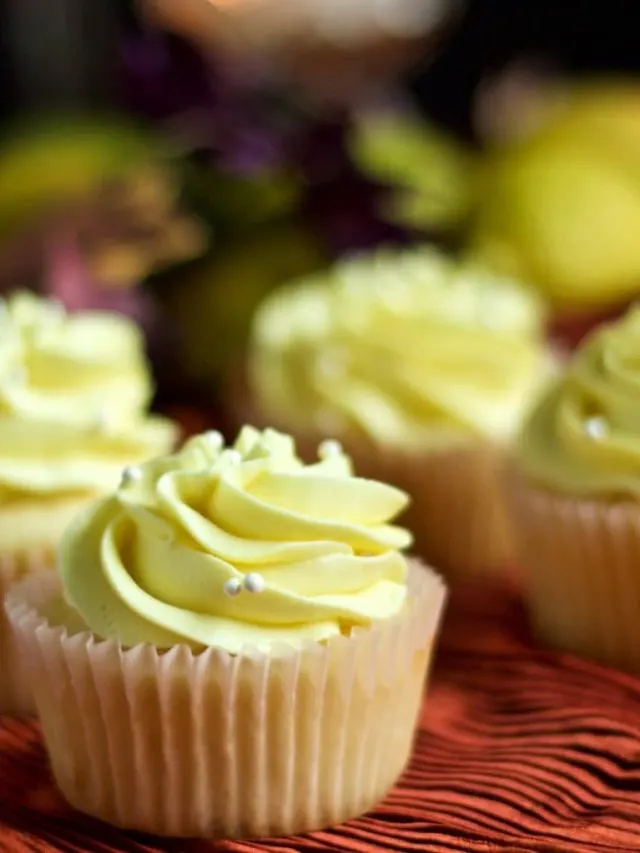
[{"x": 518, "y": 749}]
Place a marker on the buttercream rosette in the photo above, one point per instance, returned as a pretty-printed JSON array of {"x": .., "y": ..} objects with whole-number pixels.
[{"x": 235, "y": 644}]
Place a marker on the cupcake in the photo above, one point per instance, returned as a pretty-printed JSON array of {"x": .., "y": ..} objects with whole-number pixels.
[
  {"x": 575, "y": 501},
  {"x": 234, "y": 645},
  {"x": 424, "y": 370},
  {"x": 73, "y": 396}
]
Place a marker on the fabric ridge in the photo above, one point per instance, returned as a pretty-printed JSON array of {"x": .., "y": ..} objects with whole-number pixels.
[{"x": 518, "y": 749}]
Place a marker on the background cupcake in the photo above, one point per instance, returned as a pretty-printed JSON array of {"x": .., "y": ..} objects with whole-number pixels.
[
  {"x": 575, "y": 493},
  {"x": 265, "y": 643},
  {"x": 424, "y": 369},
  {"x": 74, "y": 390}
]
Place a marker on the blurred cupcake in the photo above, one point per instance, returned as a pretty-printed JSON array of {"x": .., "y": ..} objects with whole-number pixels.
[
  {"x": 575, "y": 500},
  {"x": 364, "y": 43},
  {"x": 237, "y": 647},
  {"x": 424, "y": 370},
  {"x": 73, "y": 396}
]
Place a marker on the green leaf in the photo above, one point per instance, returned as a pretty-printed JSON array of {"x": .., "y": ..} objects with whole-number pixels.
[{"x": 432, "y": 172}]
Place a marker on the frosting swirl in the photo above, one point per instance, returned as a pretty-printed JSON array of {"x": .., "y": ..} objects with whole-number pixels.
[
  {"x": 235, "y": 547},
  {"x": 403, "y": 346},
  {"x": 583, "y": 437},
  {"x": 73, "y": 396}
]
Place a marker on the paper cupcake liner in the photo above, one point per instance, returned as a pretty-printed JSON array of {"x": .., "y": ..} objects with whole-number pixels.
[
  {"x": 15, "y": 694},
  {"x": 457, "y": 514},
  {"x": 582, "y": 571},
  {"x": 215, "y": 745}
]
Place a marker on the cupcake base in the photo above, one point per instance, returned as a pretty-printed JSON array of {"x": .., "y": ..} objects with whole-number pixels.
[
  {"x": 214, "y": 745},
  {"x": 15, "y": 693},
  {"x": 581, "y": 560}
]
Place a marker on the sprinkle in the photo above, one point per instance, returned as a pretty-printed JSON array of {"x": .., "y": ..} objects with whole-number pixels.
[
  {"x": 234, "y": 457},
  {"x": 214, "y": 439},
  {"x": 233, "y": 586},
  {"x": 130, "y": 475},
  {"x": 329, "y": 447},
  {"x": 254, "y": 582},
  {"x": 596, "y": 427}
]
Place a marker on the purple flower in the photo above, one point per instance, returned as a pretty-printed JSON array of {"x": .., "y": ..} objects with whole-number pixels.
[{"x": 237, "y": 123}]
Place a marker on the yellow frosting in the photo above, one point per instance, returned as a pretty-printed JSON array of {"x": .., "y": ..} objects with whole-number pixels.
[
  {"x": 235, "y": 547},
  {"x": 73, "y": 396},
  {"x": 403, "y": 346},
  {"x": 583, "y": 438}
]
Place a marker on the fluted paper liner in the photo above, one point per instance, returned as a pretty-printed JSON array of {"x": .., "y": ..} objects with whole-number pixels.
[
  {"x": 457, "y": 515},
  {"x": 15, "y": 695},
  {"x": 581, "y": 560},
  {"x": 215, "y": 745}
]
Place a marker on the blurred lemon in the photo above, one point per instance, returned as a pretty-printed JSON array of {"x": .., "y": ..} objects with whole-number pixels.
[
  {"x": 559, "y": 208},
  {"x": 431, "y": 173},
  {"x": 562, "y": 209}
]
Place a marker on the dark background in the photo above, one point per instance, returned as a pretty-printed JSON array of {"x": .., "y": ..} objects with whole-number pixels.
[
  {"x": 573, "y": 36},
  {"x": 576, "y": 36}
]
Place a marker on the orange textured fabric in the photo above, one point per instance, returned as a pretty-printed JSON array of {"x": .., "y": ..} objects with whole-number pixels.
[{"x": 518, "y": 750}]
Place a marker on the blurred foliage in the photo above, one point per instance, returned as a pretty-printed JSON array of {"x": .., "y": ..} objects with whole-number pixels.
[
  {"x": 235, "y": 202},
  {"x": 272, "y": 178},
  {"x": 48, "y": 162},
  {"x": 431, "y": 173},
  {"x": 109, "y": 187},
  {"x": 215, "y": 298}
]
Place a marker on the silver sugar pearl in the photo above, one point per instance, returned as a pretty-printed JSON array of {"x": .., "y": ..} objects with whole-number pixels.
[
  {"x": 130, "y": 475},
  {"x": 214, "y": 439},
  {"x": 596, "y": 427},
  {"x": 329, "y": 447},
  {"x": 233, "y": 586},
  {"x": 234, "y": 457},
  {"x": 254, "y": 582}
]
